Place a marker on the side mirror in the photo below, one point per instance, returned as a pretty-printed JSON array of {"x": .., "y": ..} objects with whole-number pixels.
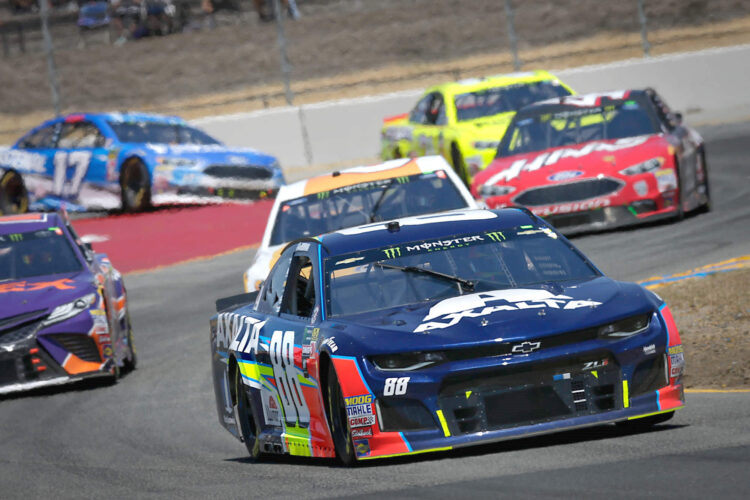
[
  {"x": 88, "y": 247},
  {"x": 677, "y": 118}
]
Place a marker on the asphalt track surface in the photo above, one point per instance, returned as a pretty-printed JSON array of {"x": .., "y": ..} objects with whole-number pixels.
[{"x": 156, "y": 434}]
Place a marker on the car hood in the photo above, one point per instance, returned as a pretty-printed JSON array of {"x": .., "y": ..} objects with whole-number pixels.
[
  {"x": 41, "y": 293},
  {"x": 495, "y": 316},
  {"x": 215, "y": 154},
  {"x": 566, "y": 163}
]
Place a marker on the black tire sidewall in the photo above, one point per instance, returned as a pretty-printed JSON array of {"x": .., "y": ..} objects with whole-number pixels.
[
  {"x": 246, "y": 419},
  {"x": 337, "y": 420},
  {"x": 135, "y": 206},
  {"x": 8, "y": 207}
]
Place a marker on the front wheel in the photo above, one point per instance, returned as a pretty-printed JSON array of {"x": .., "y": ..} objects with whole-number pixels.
[
  {"x": 337, "y": 419},
  {"x": 246, "y": 420},
  {"x": 135, "y": 186},
  {"x": 132, "y": 360},
  {"x": 14, "y": 199}
]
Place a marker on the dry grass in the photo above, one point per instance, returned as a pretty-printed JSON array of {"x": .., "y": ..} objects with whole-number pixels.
[{"x": 713, "y": 317}]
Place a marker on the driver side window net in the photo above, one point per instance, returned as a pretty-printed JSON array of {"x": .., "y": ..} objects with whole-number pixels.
[{"x": 299, "y": 299}]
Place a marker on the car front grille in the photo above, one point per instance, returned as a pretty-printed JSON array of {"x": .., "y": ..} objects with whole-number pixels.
[
  {"x": 238, "y": 172},
  {"x": 21, "y": 329},
  {"x": 82, "y": 346},
  {"x": 530, "y": 394},
  {"x": 568, "y": 192}
]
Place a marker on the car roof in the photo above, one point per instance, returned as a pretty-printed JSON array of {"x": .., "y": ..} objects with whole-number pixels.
[
  {"x": 588, "y": 100},
  {"x": 357, "y": 175},
  {"x": 424, "y": 227},
  {"x": 470, "y": 84},
  {"x": 24, "y": 223},
  {"x": 121, "y": 117}
]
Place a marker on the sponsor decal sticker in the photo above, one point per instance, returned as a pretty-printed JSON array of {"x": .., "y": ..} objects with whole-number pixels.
[
  {"x": 330, "y": 342},
  {"x": 362, "y": 432},
  {"x": 358, "y": 407},
  {"x": 361, "y": 421},
  {"x": 25, "y": 286},
  {"x": 641, "y": 188},
  {"x": 649, "y": 349},
  {"x": 565, "y": 175},
  {"x": 666, "y": 179},
  {"x": 271, "y": 412},
  {"x": 450, "y": 312},
  {"x": 362, "y": 448}
]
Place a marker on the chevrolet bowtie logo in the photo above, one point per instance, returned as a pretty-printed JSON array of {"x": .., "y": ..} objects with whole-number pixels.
[{"x": 526, "y": 347}]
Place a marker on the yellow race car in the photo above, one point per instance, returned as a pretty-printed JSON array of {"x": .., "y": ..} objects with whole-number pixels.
[{"x": 464, "y": 121}]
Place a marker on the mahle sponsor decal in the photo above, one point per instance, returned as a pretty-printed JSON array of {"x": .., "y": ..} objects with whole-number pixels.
[{"x": 450, "y": 312}]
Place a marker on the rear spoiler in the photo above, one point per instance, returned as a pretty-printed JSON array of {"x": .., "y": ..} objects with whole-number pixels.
[
  {"x": 235, "y": 301},
  {"x": 396, "y": 117}
]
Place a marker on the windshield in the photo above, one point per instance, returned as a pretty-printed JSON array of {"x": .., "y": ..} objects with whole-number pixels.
[
  {"x": 540, "y": 128},
  {"x": 488, "y": 102},
  {"x": 383, "y": 278},
  {"x": 160, "y": 133},
  {"x": 36, "y": 253},
  {"x": 364, "y": 203}
]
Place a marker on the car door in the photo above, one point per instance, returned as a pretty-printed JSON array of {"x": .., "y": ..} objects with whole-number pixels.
[
  {"x": 80, "y": 159},
  {"x": 429, "y": 118},
  {"x": 290, "y": 297},
  {"x": 40, "y": 144}
]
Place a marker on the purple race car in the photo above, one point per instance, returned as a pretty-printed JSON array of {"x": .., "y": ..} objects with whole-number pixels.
[{"x": 63, "y": 308}]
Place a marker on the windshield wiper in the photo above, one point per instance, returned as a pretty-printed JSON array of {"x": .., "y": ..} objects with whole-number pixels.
[
  {"x": 469, "y": 285},
  {"x": 376, "y": 206}
]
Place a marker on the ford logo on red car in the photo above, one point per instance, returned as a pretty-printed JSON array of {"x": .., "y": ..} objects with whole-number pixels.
[{"x": 565, "y": 175}]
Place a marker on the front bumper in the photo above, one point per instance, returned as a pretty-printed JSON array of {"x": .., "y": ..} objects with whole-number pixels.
[
  {"x": 601, "y": 219},
  {"x": 538, "y": 394},
  {"x": 33, "y": 356}
]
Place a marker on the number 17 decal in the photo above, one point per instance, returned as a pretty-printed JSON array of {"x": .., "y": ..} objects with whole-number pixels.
[{"x": 63, "y": 160}]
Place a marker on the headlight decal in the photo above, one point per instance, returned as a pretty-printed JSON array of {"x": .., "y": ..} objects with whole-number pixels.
[{"x": 73, "y": 308}]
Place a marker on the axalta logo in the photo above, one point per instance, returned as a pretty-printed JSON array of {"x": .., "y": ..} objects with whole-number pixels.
[
  {"x": 451, "y": 311},
  {"x": 550, "y": 158}
]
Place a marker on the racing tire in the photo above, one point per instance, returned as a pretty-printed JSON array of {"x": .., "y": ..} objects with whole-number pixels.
[
  {"x": 459, "y": 166},
  {"x": 248, "y": 427},
  {"x": 135, "y": 186},
  {"x": 706, "y": 186},
  {"x": 680, "y": 206},
  {"x": 337, "y": 419},
  {"x": 645, "y": 423},
  {"x": 14, "y": 199},
  {"x": 130, "y": 362}
]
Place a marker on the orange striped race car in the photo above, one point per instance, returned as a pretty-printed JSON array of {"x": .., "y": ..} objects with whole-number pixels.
[{"x": 390, "y": 190}]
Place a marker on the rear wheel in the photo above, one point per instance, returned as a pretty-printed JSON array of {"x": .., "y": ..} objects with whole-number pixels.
[
  {"x": 245, "y": 419},
  {"x": 135, "y": 186},
  {"x": 14, "y": 199},
  {"x": 645, "y": 422},
  {"x": 703, "y": 169},
  {"x": 337, "y": 419}
]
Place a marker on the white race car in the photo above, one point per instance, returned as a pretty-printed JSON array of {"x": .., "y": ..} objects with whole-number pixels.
[{"x": 359, "y": 195}]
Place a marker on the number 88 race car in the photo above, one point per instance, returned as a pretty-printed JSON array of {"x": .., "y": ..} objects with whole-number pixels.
[{"x": 435, "y": 332}]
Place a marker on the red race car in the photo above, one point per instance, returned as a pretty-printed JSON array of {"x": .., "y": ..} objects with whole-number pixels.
[{"x": 598, "y": 161}]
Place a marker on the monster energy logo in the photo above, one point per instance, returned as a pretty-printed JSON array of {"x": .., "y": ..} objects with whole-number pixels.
[
  {"x": 392, "y": 253},
  {"x": 324, "y": 195},
  {"x": 402, "y": 180},
  {"x": 16, "y": 237},
  {"x": 496, "y": 236}
]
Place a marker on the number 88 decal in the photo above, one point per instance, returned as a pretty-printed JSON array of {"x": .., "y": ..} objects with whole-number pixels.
[
  {"x": 396, "y": 386},
  {"x": 287, "y": 382}
]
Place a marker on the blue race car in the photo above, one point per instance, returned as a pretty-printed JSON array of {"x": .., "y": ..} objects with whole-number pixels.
[
  {"x": 434, "y": 332},
  {"x": 63, "y": 308},
  {"x": 130, "y": 161}
]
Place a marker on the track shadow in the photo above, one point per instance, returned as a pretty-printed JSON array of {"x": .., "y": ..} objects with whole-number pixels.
[{"x": 589, "y": 434}]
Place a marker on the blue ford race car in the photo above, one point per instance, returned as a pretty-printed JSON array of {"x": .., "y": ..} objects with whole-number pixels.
[
  {"x": 435, "y": 332},
  {"x": 128, "y": 161}
]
